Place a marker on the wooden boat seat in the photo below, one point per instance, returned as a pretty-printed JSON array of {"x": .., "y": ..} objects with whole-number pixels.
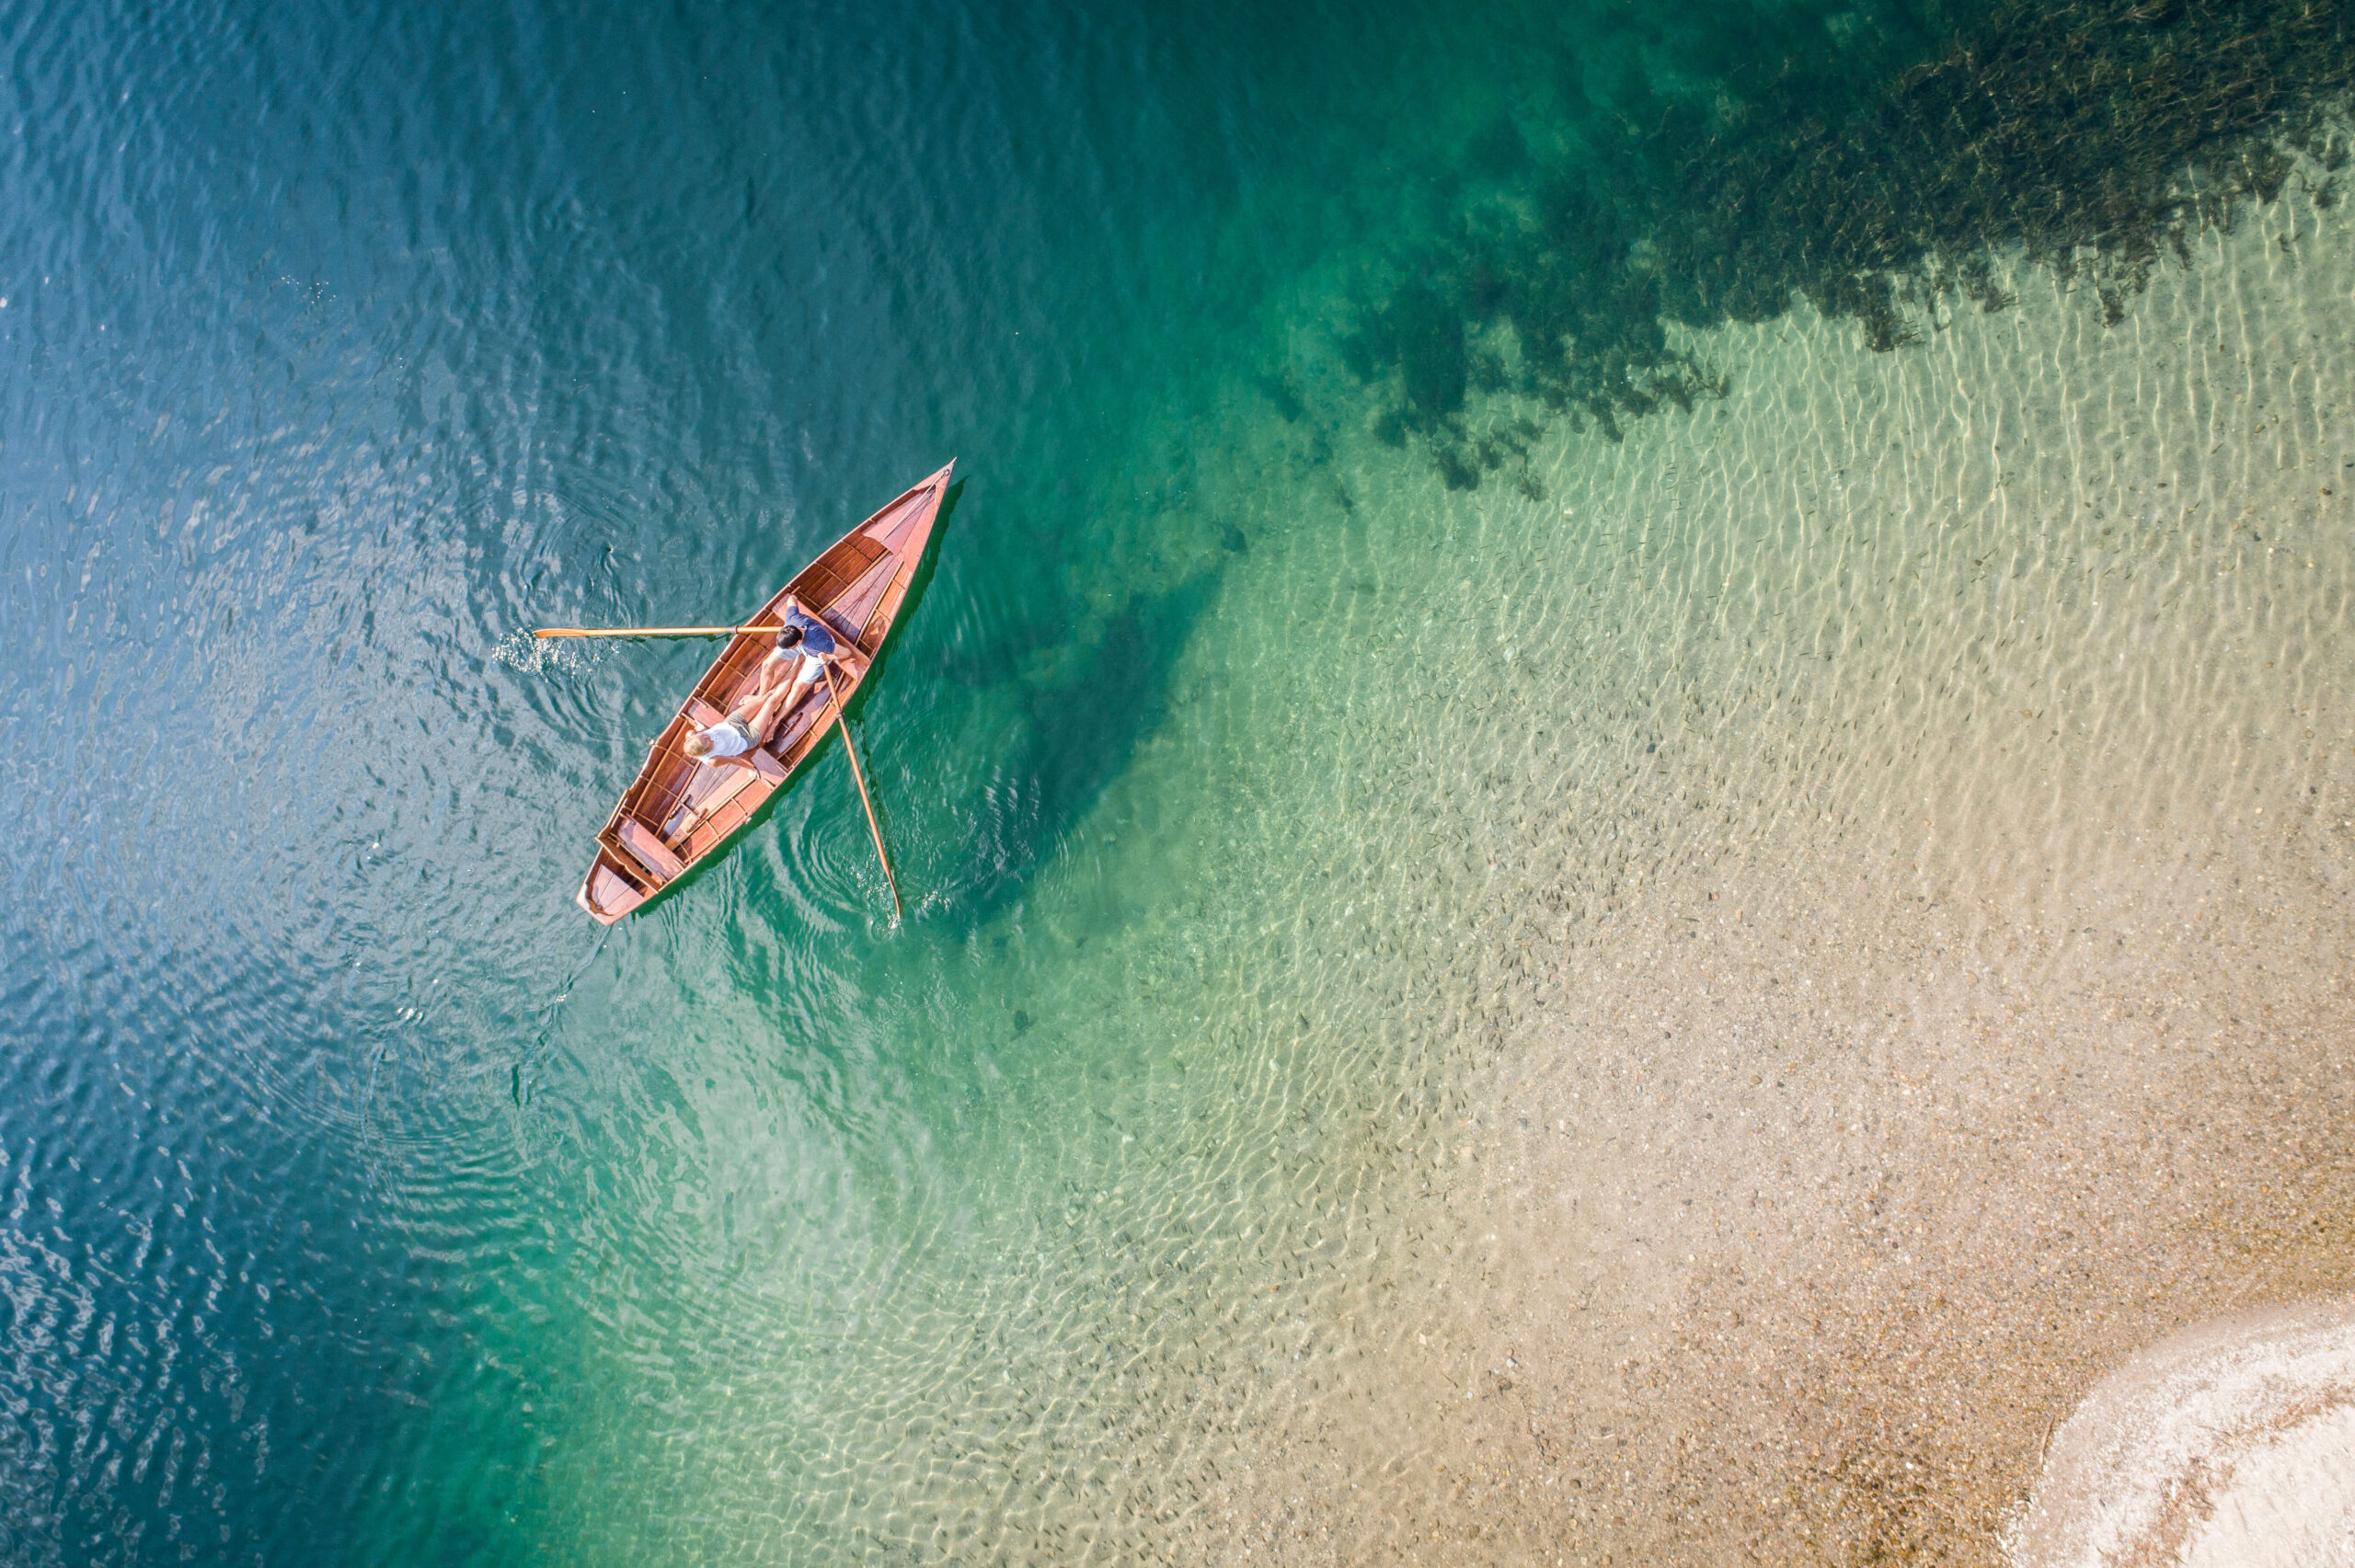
[{"x": 649, "y": 851}]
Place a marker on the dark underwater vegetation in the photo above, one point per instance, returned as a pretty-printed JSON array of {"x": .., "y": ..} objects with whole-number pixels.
[{"x": 1865, "y": 162}]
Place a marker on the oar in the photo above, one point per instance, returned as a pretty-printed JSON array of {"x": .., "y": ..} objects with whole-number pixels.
[
  {"x": 851, "y": 751},
  {"x": 647, "y": 631}
]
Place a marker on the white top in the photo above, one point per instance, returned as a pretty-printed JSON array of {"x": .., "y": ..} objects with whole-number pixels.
[{"x": 727, "y": 739}]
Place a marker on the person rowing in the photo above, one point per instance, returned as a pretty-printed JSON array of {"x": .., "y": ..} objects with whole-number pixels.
[{"x": 805, "y": 645}]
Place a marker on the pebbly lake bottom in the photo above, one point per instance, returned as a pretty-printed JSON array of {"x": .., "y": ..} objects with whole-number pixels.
[
  {"x": 1688, "y": 1018},
  {"x": 1894, "y": 863}
]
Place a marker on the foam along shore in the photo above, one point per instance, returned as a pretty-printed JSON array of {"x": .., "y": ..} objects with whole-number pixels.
[{"x": 2229, "y": 1443}]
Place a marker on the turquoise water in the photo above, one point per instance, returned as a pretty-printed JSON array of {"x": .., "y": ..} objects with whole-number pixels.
[{"x": 364, "y": 1202}]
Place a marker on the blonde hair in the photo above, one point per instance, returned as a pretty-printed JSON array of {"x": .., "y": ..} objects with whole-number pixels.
[{"x": 697, "y": 744}]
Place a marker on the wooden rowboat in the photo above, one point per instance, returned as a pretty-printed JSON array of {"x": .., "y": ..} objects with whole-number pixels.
[{"x": 681, "y": 812}]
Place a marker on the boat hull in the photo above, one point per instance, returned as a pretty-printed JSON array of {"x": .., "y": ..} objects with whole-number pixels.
[{"x": 680, "y": 815}]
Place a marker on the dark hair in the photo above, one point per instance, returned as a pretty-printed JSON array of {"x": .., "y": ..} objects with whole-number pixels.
[{"x": 788, "y": 637}]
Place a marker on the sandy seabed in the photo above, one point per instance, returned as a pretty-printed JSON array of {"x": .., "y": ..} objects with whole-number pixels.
[{"x": 1882, "y": 848}]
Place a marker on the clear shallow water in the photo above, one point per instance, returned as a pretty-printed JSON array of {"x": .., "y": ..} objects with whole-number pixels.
[{"x": 365, "y": 1203}]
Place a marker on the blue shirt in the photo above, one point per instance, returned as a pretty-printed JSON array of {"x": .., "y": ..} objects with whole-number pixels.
[{"x": 815, "y": 638}]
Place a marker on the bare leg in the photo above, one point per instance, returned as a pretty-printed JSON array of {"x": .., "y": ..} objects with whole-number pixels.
[
  {"x": 764, "y": 714},
  {"x": 785, "y": 699},
  {"x": 773, "y": 675},
  {"x": 800, "y": 686}
]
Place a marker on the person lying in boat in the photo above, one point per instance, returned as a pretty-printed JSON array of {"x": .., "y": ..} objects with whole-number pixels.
[{"x": 730, "y": 740}]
